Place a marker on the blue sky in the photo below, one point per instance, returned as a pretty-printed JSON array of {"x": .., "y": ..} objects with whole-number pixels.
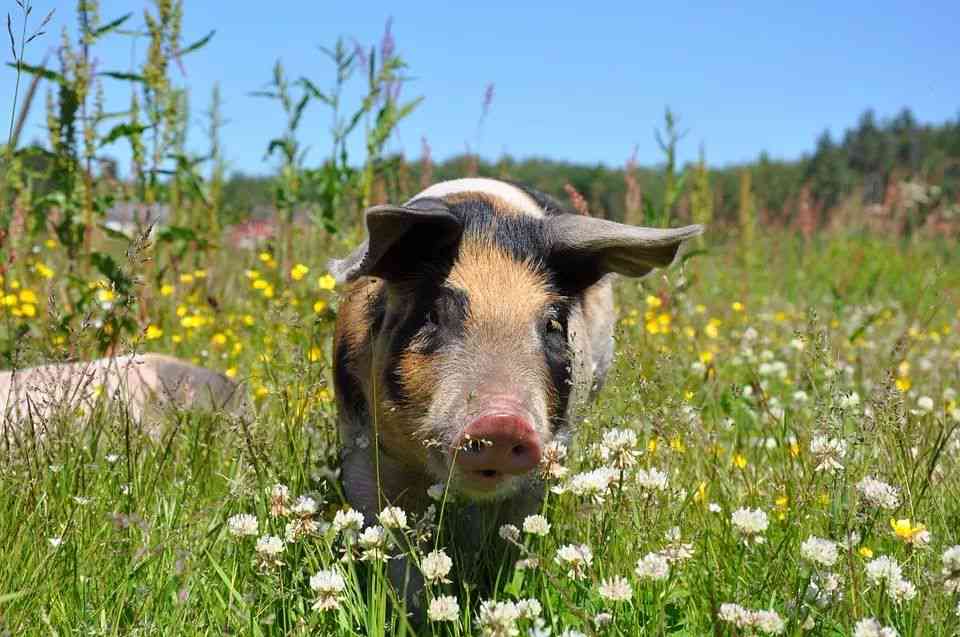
[{"x": 584, "y": 82}]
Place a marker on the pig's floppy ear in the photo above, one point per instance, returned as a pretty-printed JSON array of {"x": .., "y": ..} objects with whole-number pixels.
[
  {"x": 602, "y": 246},
  {"x": 387, "y": 225}
]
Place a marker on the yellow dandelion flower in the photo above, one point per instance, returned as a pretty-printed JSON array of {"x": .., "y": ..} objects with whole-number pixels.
[
  {"x": 252, "y": 274},
  {"x": 231, "y": 372},
  {"x": 248, "y": 320},
  {"x": 652, "y": 445},
  {"x": 265, "y": 257},
  {"x": 324, "y": 395},
  {"x": 200, "y": 274},
  {"x": 186, "y": 278},
  {"x": 739, "y": 461},
  {"x": 780, "y": 317},
  {"x": 706, "y": 357},
  {"x": 181, "y": 310},
  {"x": 50, "y": 243},
  {"x": 904, "y": 384},
  {"x": 712, "y": 329},
  {"x": 299, "y": 271},
  {"x": 689, "y": 332},
  {"x": 219, "y": 339},
  {"x": 700, "y": 308},
  {"x": 260, "y": 284},
  {"x": 320, "y": 306},
  {"x": 654, "y": 301},
  {"x": 28, "y": 309},
  {"x": 315, "y": 354},
  {"x": 176, "y": 338},
  {"x": 794, "y": 448},
  {"x": 737, "y": 306},
  {"x": 237, "y": 347},
  {"x": 865, "y": 552},
  {"x": 261, "y": 392},
  {"x": 327, "y": 282},
  {"x": 153, "y": 332},
  {"x": 677, "y": 444},
  {"x": 267, "y": 292},
  {"x": 10, "y": 300},
  {"x": 166, "y": 289}
]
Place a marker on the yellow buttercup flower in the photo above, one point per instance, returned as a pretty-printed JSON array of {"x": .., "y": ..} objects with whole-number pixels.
[
  {"x": 299, "y": 271},
  {"x": 186, "y": 278},
  {"x": 739, "y": 461},
  {"x": 315, "y": 354},
  {"x": 653, "y": 301},
  {"x": 865, "y": 552},
  {"x": 320, "y": 306},
  {"x": 153, "y": 332},
  {"x": 28, "y": 309},
  {"x": 44, "y": 270},
  {"x": 28, "y": 296},
  {"x": 737, "y": 306},
  {"x": 166, "y": 289},
  {"x": 327, "y": 282}
]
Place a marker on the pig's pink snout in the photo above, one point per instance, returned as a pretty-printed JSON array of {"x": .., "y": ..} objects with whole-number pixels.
[{"x": 498, "y": 444}]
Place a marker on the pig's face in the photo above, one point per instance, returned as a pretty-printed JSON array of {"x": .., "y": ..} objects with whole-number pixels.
[{"x": 477, "y": 339}]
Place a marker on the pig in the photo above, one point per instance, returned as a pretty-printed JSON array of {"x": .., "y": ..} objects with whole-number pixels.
[
  {"x": 476, "y": 320},
  {"x": 142, "y": 383}
]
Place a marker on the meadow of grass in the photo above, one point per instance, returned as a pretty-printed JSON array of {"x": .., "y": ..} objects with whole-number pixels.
[{"x": 728, "y": 461}]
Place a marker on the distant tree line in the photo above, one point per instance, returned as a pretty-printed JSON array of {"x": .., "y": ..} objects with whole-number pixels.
[{"x": 861, "y": 162}]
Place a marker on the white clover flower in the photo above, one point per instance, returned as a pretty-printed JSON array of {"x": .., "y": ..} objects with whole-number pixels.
[
  {"x": 510, "y": 533},
  {"x": 870, "y": 627},
  {"x": 529, "y": 608},
  {"x": 878, "y": 493},
  {"x": 619, "y": 448},
  {"x": 111, "y": 458},
  {"x": 951, "y": 569},
  {"x": 750, "y": 523},
  {"x": 713, "y": 507},
  {"x": 393, "y": 518},
  {"x": 498, "y": 619},
  {"x": 735, "y": 614},
  {"x": 824, "y": 589},
  {"x": 572, "y": 632},
  {"x": 850, "y": 400},
  {"x": 765, "y": 621},
  {"x": 615, "y": 589},
  {"x": 925, "y": 404},
  {"x": 883, "y": 569},
  {"x": 800, "y": 396},
  {"x": 436, "y": 565},
  {"x": 902, "y": 590},
  {"x": 653, "y": 566},
  {"x": 593, "y": 484},
  {"x": 828, "y": 452},
  {"x": 768, "y": 622},
  {"x": 444, "y": 609},
  {"x": 304, "y": 506},
  {"x": 527, "y": 563},
  {"x": 243, "y": 524},
  {"x": 279, "y": 495},
  {"x": 551, "y": 461},
  {"x": 435, "y": 493},
  {"x": 819, "y": 551},
  {"x": 576, "y": 557},
  {"x": 536, "y": 525},
  {"x": 651, "y": 479},
  {"x": 328, "y": 585},
  {"x": 270, "y": 546},
  {"x": 347, "y": 521},
  {"x": 602, "y": 619},
  {"x": 55, "y": 542},
  {"x": 373, "y": 541}
]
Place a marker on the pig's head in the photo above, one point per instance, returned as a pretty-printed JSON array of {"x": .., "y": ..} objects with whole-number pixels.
[{"x": 478, "y": 338}]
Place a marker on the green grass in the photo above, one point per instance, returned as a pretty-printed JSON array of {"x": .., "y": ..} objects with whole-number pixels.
[{"x": 144, "y": 546}]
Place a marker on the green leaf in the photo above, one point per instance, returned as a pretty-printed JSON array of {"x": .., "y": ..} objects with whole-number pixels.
[
  {"x": 202, "y": 42},
  {"x": 9, "y": 597},
  {"x": 125, "y": 129},
  {"x": 45, "y": 73},
  {"x": 110, "y": 26},
  {"x": 120, "y": 75},
  {"x": 313, "y": 91}
]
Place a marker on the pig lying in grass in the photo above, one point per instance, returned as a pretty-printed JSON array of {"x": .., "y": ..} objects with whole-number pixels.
[
  {"x": 141, "y": 384},
  {"x": 479, "y": 316}
]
